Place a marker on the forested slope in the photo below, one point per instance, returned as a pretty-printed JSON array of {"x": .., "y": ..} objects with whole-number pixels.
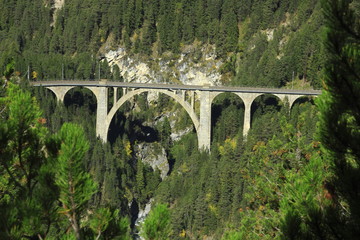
[{"x": 261, "y": 43}]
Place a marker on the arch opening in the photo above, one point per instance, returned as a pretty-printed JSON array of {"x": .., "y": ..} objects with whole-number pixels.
[
  {"x": 110, "y": 98},
  {"x": 43, "y": 94},
  {"x": 302, "y": 100},
  {"x": 133, "y": 93},
  {"x": 48, "y": 103},
  {"x": 150, "y": 123},
  {"x": 227, "y": 117},
  {"x": 303, "y": 115},
  {"x": 196, "y": 103},
  {"x": 132, "y": 121},
  {"x": 145, "y": 110},
  {"x": 265, "y": 118},
  {"x": 80, "y": 107},
  {"x": 79, "y": 97}
]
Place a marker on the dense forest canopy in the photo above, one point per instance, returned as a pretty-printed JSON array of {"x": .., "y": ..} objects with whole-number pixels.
[
  {"x": 261, "y": 43},
  {"x": 294, "y": 176}
]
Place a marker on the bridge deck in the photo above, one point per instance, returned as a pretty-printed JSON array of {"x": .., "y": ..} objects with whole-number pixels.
[{"x": 175, "y": 87}]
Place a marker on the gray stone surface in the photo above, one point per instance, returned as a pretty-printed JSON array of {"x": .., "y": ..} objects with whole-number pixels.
[{"x": 154, "y": 155}]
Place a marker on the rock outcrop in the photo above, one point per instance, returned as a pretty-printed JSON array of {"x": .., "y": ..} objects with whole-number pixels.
[
  {"x": 56, "y": 6},
  {"x": 153, "y": 154},
  {"x": 194, "y": 66}
]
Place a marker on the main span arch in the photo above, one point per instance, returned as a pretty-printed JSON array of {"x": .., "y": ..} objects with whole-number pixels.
[{"x": 132, "y": 93}]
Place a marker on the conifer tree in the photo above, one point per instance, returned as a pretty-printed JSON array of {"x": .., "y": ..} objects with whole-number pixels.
[
  {"x": 24, "y": 177},
  {"x": 340, "y": 115},
  {"x": 157, "y": 224},
  {"x": 338, "y": 132},
  {"x": 76, "y": 186},
  {"x": 149, "y": 32},
  {"x": 139, "y": 12},
  {"x": 165, "y": 132}
]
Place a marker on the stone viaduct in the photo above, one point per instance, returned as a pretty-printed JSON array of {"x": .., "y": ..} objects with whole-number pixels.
[{"x": 183, "y": 94}]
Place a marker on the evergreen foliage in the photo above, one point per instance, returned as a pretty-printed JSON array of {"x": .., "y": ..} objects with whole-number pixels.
[
  {"x": 261, "y": 43},
  {"x": 23, "y": 168},
  {"x": 76, "y": 186},
  {"x": 40, "y": 173},
  {"x": 336, "y": 216},
  {"x": 157, "y": 224},
  {"x": 225, "y": 194}
]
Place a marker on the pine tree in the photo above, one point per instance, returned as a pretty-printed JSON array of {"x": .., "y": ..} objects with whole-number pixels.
[
  {"x": 26, "y": 186},
  {"x": 338, "y": 215},
  {"x": 229, "y": 26},
  {"x": 149, "y": 32},
  {"x": 165, "y": 132},
  {"x": 157, "y": 224},
  {"x": 76, "y": 186},
  {"x": 340, "y": 113},
  {"x": 140, "y": 181},
  {"x": 22, "y": 138},
  {"x": 139, "y": 13},
  {"x": 165, "y": 25}
]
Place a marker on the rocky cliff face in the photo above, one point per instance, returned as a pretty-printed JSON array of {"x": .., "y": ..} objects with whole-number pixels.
[
  {"x": 196, "y": 65},
  {"x": 153, "y": 154},
  {"x": 56, "y": 6}
]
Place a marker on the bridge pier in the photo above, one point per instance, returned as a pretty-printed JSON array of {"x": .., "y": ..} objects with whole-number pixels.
[
  {"x": 204, "y": 132},
  {"x": 102, "y": 124},
  {"x": 60, "y": 92},
  {"x": 101, "y": 114},
  {"x": 248, "y": 99},
  {"x": 115, "y": 95}
]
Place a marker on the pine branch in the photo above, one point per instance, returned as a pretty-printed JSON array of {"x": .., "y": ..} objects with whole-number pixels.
[{"x": 12, "y": 177}]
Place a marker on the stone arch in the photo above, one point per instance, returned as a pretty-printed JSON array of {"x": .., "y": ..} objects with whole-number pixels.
[
  {"x": 263, "y": 105},
  {"x": 295, "y": 98},
  {"x": 60, "y": 92},
  {"x": 280, "y": 98},
  {"x": 291, "y": 98},
  {"x": 47, "y": 91},
  {"x": 133, "y": 93},
  {"x": 82, "y": 95},
  {"x": 302, "y": 99}
]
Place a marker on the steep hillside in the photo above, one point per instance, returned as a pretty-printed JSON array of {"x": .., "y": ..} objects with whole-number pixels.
[{"x": 258, "y": 43}]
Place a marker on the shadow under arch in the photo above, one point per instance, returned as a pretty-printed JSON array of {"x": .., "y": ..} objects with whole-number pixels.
[
  {"x": 80, "y": 97},
  {"x": 125, "y": 121},
  {"x": 302, "y": 100},
  {"x": 227, "y": 116},
  {"x": 47, "y": 100},
  {"x": 264, "y": 103},
  {"x": 135, "y": 92},
  {"x": 302, "y": 104},
  {"x": 264, "y": 110}
]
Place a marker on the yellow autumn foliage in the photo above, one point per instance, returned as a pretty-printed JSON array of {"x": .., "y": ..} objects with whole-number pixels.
[
  {"x": 128, "y": 148},
  {"x": 230, "y": 143}
]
